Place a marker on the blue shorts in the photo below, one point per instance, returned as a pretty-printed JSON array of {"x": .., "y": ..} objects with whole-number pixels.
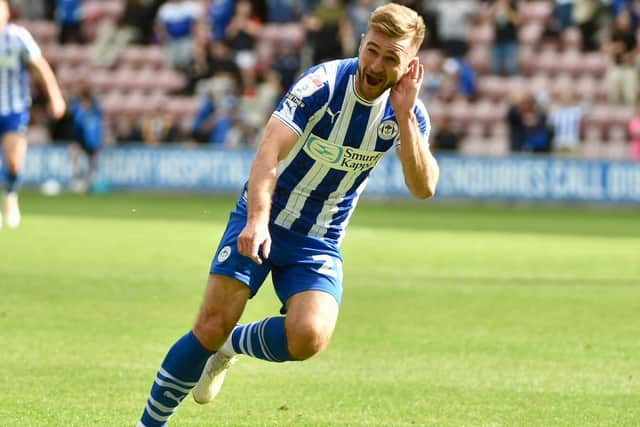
[
  {"x": 15, "y": 122},
  {"x": 297, "y": 262}
]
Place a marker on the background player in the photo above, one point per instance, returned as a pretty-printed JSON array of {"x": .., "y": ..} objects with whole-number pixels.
[
  {"x": 319, "y": 147},
  {"x": 18, "y": 52}
]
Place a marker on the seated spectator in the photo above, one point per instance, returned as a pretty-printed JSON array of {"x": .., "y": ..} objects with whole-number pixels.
[
  {"x": 127, "y": 129},
  {"x": 283, "y": 11},
  {"x": 585, "y": 16},
  {"x": 286, "y": 64},
  {"x": 112, "y": 38},
  {"x": 565, "y": 119},
  {"x": 158, "y": 127},
  {"x": 68, "y": 14},
  {"x": 216, "y": 60},
  {"x": 622, "y": 74},
  {"x": 220, "y": 14},
  {"x": 528, "y": 126},
  {"x": 175, "y": 28},
  {"x": 458, "y": 80},
  {"x": 326, "y": 28},
  {"x": 241, "y": 36},
  {"x": 562, "y": 17},
  {"x": 445, "y": 137}
]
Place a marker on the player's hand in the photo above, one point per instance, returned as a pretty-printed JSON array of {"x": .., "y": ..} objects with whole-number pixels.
[
  {"x": 253, "y": 238},
  {"x": 405, "y": 92},
  {"x": 57, "y": 108}
]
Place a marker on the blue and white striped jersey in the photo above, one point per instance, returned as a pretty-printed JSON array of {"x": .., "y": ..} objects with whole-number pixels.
[
  {"x": 342, "y": 137},
  {"x": 17, "y": 50}
]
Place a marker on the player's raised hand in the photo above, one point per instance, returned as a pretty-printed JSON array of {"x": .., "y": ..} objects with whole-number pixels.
[
  {"x": 252, "y": 238},
  {"x": 405, "y": 92}
]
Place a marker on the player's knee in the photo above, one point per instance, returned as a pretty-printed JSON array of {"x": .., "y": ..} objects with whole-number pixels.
[
  {"x": 305, "y": 341},
  {"x": 210, "y": 329}
]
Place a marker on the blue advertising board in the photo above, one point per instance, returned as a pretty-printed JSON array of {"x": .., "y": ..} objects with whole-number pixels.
[{"x": 527, "y": 178}]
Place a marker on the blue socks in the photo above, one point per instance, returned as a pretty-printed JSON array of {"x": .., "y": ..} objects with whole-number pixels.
[
  {"x": 11, "y": 182},
  {"x": 264, "y": 340},
  {"x": 178, "y": 374}
]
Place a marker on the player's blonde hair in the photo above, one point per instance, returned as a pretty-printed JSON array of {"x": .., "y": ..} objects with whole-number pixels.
[{"x": 397, "y": 21}]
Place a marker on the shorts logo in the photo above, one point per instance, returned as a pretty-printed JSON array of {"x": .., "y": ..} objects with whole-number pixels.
[
  {"x": 224, "y": 254},
  {"x": 388, "y": 129}
]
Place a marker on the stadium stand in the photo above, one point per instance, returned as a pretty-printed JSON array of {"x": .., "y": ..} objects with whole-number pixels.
[{"x": 551, "y": 62}]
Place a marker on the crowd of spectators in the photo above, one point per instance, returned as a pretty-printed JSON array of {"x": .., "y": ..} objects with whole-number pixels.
[{"x": 218, "y": 47}]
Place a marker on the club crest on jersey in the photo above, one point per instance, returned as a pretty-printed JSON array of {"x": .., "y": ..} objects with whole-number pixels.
[
  {"x": 348, "y": 159},
  {"x": 388, "y": 129}
]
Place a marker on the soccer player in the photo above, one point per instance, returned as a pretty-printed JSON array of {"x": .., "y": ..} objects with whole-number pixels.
[
  {"x": 311, "y": 166},
  {"x": 18, "y": 51}
]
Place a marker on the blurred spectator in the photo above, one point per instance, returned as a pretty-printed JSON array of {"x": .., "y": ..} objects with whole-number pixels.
[
  {"x": 562, "y": 15},
  {"x": 528, "y": 125},
  {"x": 217, "y": 60},
  {"x": 454, "y": 23},
  {"x": 445, "y": 137},
  {"x": 215, "y": 119},
  {"x": 241, "y": 36},
  {"x": 565, "y": 119},
  {"x": 326, "y": 29},
  {"x": 286, "y": 64},
  {"x": 127, "y": 129},
  {"x": 132, "y": 27},
  {"x": 88, "y": 135},
  {"x": 220, "y": 14},
  {"x": 68, "y": 15},
  {"x": 458, "y": 80},
  {"x": 283, "y": 11},
  {"x": 175, "y": 26},
  {"x": 634, "y": 135},
  {"x": 506, "y": 20},
  {"x": 586, "y": 14},
  {"x": 358, "y": 13},
  {"x": 158, "y": 126},
  {"x": 622, "y": 74},
  {"x": 29, "y": 9}
]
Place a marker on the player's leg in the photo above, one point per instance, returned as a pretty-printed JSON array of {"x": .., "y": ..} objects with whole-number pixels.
[
  {"x": 223, "y": 303},
  {"x": 15, "y": 150},
  {"x": 309, "y": 282}
]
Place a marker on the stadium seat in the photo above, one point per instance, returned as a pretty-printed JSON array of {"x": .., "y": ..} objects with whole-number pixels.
[{"x": 536, "y": 11}]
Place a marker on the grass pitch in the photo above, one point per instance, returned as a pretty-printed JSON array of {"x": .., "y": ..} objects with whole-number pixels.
[{"x": 452, "y": 316}]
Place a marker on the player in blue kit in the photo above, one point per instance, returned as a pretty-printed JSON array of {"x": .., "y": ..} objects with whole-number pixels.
[
  {"x": 18, "y": 52},
  {"x": 311, "y": 166}
]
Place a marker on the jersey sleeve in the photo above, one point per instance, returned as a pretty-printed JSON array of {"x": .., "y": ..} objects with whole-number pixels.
[
  {"x": 424, "y": 123},
  {"x": 306, "y": 97},
  {"x": 30, "y": 50}
]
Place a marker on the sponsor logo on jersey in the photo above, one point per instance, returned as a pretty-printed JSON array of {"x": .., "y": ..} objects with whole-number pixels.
[
  {"x": 339, "y": 157},
  {"x": 9, "y": 62},
  {"x": 307, "y": 86},
  {"x": 388, "y": 129},
  {"x": 224, "y": 254}
]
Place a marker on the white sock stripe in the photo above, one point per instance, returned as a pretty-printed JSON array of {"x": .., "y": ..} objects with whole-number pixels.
[
  {"x": 153, "y": 414},
  {"x": 263, "y": 341},
  {"x": 160, "y": 406},
  {"x": 241, "y": 341},
  {"x": 178, "y": 381},
  {"x": 166, "y": 384},
  {"x": 250, "y": 329}
]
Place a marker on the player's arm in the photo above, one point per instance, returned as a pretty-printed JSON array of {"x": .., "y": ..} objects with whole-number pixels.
[
  {"x": 420, "y": 168},
  {"x": 42, "y": 68},
  {"x": 277, "y": 142}
]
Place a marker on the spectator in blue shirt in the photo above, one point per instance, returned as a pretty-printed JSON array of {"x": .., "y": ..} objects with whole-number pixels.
[
  {"x": 68, "y": 14},
  {"x": 88, "y": 133}
]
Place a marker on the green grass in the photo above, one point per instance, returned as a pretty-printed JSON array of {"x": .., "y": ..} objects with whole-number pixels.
[{"x": 453, "y": 315}]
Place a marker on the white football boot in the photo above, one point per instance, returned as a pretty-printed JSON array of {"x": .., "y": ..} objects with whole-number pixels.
[
  {"x": 12, "y": 215},
  {"x": 212, "y": 377}
]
